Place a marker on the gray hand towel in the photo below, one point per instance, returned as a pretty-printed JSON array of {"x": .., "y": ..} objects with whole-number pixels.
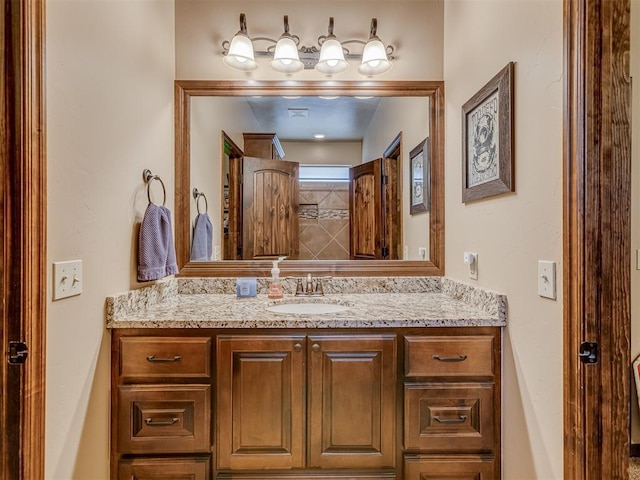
[
  {"x": 156, "y": 252},
  {"x": 201, "y": 246}
]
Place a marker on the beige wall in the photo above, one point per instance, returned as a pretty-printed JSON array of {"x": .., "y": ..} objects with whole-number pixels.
[
  {"x": 209, "y": 116},
  {"x": 635, "y": 210},
  {"x": 409, "y": 115},
  {"x": 323, "y": 153},
  {"x": 202, "y": 26},
  {"x": 109, "y": 80},
  {"x": 513, "y": 231}
]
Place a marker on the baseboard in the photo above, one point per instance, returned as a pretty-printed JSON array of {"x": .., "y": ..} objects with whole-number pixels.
[{"x": 634, "y": 451}]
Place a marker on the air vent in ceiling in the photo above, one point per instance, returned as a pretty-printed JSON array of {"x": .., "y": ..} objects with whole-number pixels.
[{"x": 298, "y": 112}]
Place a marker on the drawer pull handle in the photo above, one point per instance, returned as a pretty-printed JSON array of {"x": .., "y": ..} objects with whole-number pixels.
[
  {"x": 152, "y": 423},
  {"x": 459, "y": 358},
  {"x": 152, "y": 359},
  {"x": 297, "y": 347},
  {"x": 315, "y": 347},
  {"x": 460, "y": 419}
]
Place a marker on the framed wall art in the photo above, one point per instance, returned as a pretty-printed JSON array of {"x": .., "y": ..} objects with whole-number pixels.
[
  {"x": 487, "y": 140},
  {"x": 420, "y": 178}
]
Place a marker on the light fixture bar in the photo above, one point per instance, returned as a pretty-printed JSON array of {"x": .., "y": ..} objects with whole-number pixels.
[{"x": 309, "y": 56}]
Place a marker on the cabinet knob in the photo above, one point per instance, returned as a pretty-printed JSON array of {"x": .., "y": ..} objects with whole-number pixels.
[
  {"x": 297, "y": 347},
  {"x": 315, "y": 347}
]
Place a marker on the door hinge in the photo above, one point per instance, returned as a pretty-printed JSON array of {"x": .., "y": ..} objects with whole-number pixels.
[
  {"x": 18, "y": 352},
  {"x": 385, "y": 179},
  {"x": 588, "y": 352},
  {"x": 385, "y": 252}
]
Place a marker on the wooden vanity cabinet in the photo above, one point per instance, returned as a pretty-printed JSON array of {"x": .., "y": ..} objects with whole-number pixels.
[
  {"x": 306, "y": 404},
  {"x": 452, "y": 406},
  {"x": 347, "y": 417},
  {"x": 161, "y": 406}
]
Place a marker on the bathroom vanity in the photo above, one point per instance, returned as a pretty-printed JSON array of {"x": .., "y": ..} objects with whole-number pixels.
[{"x": 404, "y": 383}]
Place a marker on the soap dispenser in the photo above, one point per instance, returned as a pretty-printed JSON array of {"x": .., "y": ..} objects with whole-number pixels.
[{"x": 275, "y": 287}]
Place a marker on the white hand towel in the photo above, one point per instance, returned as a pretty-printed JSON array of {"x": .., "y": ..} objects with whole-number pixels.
[
  {"x": 201, "y": 246},
  {"x": 156, "y": 251}
]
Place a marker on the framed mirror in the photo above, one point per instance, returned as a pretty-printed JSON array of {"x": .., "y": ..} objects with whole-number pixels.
[{"x": 188, "y": 91}]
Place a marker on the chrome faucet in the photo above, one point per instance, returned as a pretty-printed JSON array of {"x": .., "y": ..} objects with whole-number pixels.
[{"x": 310, "y": 288}]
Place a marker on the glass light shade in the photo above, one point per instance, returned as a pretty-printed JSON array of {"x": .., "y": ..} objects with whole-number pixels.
[
  {"x": 286, "y": 57},
  {"x": 331, "y": 57},
  {"x": 240, "y": 55},
  {"x": 374, "y": 58}
]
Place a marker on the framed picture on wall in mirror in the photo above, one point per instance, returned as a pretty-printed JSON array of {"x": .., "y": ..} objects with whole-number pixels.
[
  {"x": 420, "y": 178},
  {"x": 487, "y": 140}
]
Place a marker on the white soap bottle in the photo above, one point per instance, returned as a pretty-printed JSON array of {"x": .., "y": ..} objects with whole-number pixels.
[{"x": 275, "y": 287}]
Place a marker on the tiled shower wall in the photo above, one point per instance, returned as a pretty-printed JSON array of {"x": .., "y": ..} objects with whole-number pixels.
[{"x": 324, "y": 221}]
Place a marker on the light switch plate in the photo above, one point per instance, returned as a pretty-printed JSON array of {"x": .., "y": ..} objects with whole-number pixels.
[
  {"x": 67, "y": 279},
  {"x": 547, "y": 279}
]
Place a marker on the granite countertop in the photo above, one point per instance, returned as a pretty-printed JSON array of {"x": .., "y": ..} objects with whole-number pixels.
[{"x": 371, "y": 303}]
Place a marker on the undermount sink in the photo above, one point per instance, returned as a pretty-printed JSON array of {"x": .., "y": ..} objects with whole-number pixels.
[{"x": 307, "y": 308}]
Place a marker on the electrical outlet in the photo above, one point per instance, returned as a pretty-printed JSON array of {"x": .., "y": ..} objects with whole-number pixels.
[
  {"x": 422, "y": 253},
  {"x": 471, "y": 259},
  {"x": 405, "y": 252},
  {"x": 547, "y": 279},
  {"x": 216, "y": 253},
  {"x": 67, "y": 279}
]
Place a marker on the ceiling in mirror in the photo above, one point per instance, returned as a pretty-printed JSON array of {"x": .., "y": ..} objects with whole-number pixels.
[{"x": 340, "y": 118}]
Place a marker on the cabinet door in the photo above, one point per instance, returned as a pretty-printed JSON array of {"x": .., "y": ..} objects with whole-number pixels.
[
  {"x": 270, "y": 204},
  {"x": 352, "y": 401},
  {"x": 260, "y": 401}
]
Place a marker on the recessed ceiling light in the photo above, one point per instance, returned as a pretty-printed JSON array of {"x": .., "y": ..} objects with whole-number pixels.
[
  {"x": 363, "y": 98},
  {"x": 329, "y": 97},
  {"x": 291, "y": 97},
  {"x": 319, "y": 136}
]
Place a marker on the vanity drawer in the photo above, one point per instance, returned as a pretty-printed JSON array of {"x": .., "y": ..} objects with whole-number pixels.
[
  {"x": 164, "y": 418},
  {"x": 164, "y": 469},
  {"x": 451, "y": 417},
  {"x": 159, "y": 357},
  {"x": 458, "y": 467},
  {"x": 468, "y": 356}
]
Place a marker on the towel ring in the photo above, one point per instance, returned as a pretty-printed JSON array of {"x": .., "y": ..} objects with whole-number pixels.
[
  {"x": 196, "y": 196},
  {"x": 150, "y": 177}
]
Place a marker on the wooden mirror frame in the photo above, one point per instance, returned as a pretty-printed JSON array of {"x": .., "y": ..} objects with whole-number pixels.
[{"x": 185, "y": 89}]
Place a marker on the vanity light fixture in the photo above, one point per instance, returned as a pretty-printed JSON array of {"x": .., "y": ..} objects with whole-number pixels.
[
  {"x": 288, "y": 56},
  {"x": 240, "y": 51}
]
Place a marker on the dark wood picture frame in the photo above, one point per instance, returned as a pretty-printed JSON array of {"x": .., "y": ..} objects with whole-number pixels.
[
  {"x": 420, "y": 178},
  {"x": 487, "y": 139}
]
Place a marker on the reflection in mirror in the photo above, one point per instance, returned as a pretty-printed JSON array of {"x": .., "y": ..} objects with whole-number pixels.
[
  {"x": 235, "y": 139},
  {"x": 355, "y": 131}
]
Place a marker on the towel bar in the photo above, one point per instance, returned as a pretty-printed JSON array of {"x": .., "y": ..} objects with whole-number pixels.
[
  {"x": 148, "y": 177},
  {"x": 197, "y": 195}
]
